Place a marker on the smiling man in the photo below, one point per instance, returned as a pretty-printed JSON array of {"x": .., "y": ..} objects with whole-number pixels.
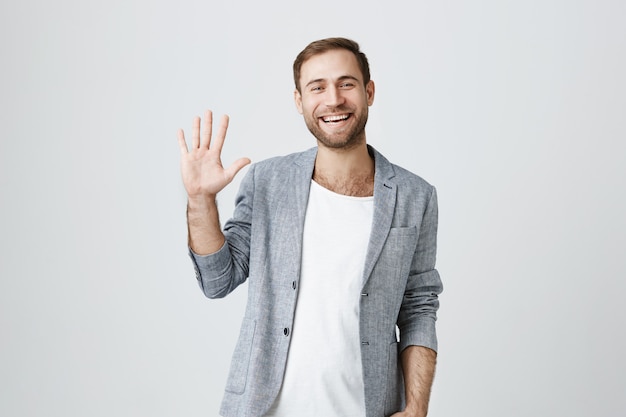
[
  {"x": 338, "y": 247},
  {"x": 334, "y": 99}
]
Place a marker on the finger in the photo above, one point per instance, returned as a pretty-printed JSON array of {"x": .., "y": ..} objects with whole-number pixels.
[
  {"x": 181, "y": 142},
  {"x": 207, "y": 130},
  {"x": 218, "y": 142},
  {"x": 236, "y": 166},
  {"x": 195, "y": 133}
]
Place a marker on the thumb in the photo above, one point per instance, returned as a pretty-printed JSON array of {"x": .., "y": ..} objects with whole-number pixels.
[{"x": 236, "y": 166}]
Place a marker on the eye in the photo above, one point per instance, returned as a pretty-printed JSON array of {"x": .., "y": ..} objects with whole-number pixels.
[
  {"x": 347, "y": 84},
  {"x": 316, "y": 88}
]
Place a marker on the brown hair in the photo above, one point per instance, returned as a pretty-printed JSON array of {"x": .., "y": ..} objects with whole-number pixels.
[{"x": 329, "y": 44}]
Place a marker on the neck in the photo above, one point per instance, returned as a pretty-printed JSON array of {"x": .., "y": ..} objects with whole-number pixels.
[{"x": 348, "y": 172}]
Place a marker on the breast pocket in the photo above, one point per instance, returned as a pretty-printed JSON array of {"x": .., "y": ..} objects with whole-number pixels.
[{"x": 399, "y": 247}]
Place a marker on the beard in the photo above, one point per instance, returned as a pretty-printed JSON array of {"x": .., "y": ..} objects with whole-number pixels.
[{"x": 343, "y": 139}]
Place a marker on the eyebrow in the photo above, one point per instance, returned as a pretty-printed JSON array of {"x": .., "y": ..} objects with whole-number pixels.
[{"x": 342, "y": 78}]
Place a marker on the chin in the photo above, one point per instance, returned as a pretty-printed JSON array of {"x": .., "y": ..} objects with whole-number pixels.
[{"x": 343, "y": 143}]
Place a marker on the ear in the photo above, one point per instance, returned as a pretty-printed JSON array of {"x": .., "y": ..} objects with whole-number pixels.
[
  {"x": 297, "y": 97},
  {"x": 370, "y": 90}
]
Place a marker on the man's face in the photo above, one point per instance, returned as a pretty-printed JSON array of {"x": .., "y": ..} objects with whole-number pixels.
[{"x": 333, "y": 99}]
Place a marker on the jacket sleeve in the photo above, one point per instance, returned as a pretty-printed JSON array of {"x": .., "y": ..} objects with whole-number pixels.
[
  {"x": 219, "y": 273},
  {"x": 418, "y": 312}
]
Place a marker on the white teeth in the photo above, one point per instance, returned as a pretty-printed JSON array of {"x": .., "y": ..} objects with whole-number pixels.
[{"x": 335, "y": 118}]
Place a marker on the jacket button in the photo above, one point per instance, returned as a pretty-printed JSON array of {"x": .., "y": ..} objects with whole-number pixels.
[
  {"x": 286, "y": 331},
  {"x": 293, "y": 285}
]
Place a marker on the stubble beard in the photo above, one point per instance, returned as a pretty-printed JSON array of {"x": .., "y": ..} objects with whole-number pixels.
[{"x": 342, "y": 140}]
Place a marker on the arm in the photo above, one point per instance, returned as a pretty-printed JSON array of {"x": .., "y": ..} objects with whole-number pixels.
[
  {"x": 203, "y": 225},
  {"x": 418, "y": 367},
  {"x": 418, "y": 339},
  {"x": 204, "y": 176}
]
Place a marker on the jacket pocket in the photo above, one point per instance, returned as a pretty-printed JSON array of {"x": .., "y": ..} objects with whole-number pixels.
[
  {"x": 238, "y": 374},
  {"x": 399, "y": 247}
]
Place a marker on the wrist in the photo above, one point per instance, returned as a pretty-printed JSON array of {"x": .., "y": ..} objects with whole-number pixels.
[
  {"x": 413, "y": 409},
  {"x": 201, "y": 201}
]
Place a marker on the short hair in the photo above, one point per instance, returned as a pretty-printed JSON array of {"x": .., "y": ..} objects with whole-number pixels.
[{"x": 329, "y": 44}]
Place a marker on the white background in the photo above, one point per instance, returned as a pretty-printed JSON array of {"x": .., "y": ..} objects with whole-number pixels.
[{"x": 515, "y": 110}]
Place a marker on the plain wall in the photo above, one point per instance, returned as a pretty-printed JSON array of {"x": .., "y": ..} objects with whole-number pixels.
[{"x": 514, "y": 110}]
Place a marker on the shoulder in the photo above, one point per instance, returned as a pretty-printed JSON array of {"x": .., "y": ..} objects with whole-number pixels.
[
  {"x": 283, "y": 166},
  {"x": 268, "y": 175},
  {"x": 413, "y": 189},
  {"x": 404, "y": 178},
  {"x": 286, "y": 161}
]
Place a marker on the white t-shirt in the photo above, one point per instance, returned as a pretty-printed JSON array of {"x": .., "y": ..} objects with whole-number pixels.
[{"x": 324, "y": 375}]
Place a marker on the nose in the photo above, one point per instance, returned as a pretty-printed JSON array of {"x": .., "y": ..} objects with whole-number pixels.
[{"x": 333, "y": 97}]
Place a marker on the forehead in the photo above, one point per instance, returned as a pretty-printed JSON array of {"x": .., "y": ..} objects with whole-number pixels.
[{"x": 330, "y": 65}]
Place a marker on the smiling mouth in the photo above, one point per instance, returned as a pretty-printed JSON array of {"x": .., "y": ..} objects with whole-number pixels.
[{"x": 335, "y": 119}]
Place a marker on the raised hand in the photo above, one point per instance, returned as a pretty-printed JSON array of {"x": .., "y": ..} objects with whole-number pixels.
[{"x": 201, "y": 166}]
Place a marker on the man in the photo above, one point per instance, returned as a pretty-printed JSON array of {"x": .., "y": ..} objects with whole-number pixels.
[{"x": 338, "y": 247}]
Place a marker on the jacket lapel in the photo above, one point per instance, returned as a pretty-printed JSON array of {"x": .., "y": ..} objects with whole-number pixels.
[
  {"x": 384, "y": 205},
  {"x": 292, "y": 209}
]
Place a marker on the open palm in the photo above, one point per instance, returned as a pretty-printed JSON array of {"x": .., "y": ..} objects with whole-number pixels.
[{"x": 201, "y": 166}]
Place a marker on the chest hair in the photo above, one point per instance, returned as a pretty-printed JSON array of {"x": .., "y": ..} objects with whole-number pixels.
[{"x": 354, "y": 186}]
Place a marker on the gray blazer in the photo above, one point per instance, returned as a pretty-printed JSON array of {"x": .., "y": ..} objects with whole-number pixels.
[{"x": 263, "y": 245}]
